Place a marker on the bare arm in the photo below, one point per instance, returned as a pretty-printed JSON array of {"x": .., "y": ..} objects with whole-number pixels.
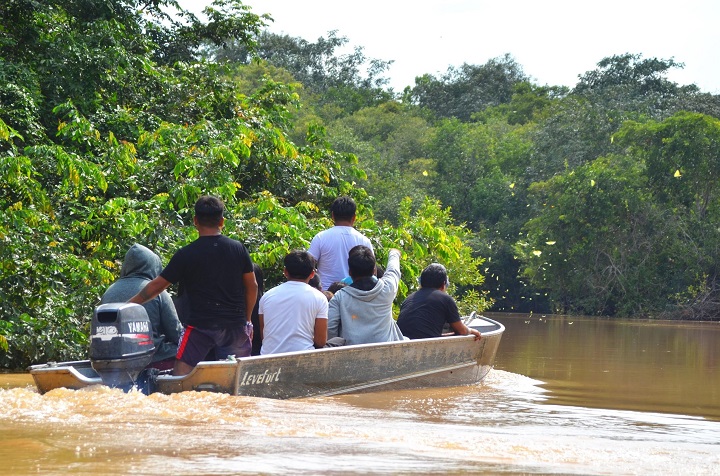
[
  {"x": 151, "y": 290},
  {"x": 321, "y": 332},
  {"x": 261, "y": 319},
  {"x": 463, "y": 330},
  {"x": 251, "y": 292}
]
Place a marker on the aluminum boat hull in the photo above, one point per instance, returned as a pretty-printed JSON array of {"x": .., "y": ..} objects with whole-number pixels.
[{"x": 438, "y": 362}]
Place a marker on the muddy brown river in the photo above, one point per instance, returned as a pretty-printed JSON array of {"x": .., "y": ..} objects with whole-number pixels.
[{"x": 568, "y": 395}]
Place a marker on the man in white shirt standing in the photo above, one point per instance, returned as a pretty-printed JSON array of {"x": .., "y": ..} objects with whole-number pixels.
[
  {"x": 293, "y": 316},
  {"x": 331, "y": 247}
]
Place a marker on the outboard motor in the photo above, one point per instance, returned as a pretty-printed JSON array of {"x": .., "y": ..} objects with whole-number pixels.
[{"x": 121, "y": 343}]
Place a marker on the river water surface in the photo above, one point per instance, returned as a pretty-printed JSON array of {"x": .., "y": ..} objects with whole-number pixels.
[{"x": 567, "y": 396}]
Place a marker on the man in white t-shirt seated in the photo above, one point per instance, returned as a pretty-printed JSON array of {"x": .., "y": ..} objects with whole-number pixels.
[
  {"x": 331, "y": 247},
  {"x": 293, "y": 316}
]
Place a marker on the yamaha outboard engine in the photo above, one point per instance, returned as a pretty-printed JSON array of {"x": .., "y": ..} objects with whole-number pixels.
[{"x": 121, "y": 343}]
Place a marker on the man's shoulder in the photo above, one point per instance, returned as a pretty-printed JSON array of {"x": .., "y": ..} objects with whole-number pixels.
[
  {"x": 439, "y": 295},
  {"x": 230, "y": 241},
  {"x": 361, "y": 237},
  {"x": 413, "y": 296},
  {"x": 276, "y": 289},
  {"x": 319, "y": 237},
  {"x": 340, "y": 230}
]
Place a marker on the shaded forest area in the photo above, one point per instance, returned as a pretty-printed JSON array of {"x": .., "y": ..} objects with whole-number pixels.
[
  {"x": 595, "y": 200},
  {"x": 115, "y": 115}
]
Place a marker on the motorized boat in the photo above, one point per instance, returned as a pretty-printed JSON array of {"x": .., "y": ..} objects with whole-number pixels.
[{"x": 438, "y": 362}]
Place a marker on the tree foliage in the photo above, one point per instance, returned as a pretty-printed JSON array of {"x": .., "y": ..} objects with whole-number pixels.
[
  {"x": 629, "y": 234},
  {"x": 109, "y": 132},
  {"x": 506, "y": 157},
  {"x": 115, "y": 115},
  {"x": 462, "y": 91},
  {"x": 341, "y": 82}
]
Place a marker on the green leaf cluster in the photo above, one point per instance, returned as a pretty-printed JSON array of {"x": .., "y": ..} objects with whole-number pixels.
[
  {"x": 596, "y": 200},
  {"x": 111, "y": 127}
]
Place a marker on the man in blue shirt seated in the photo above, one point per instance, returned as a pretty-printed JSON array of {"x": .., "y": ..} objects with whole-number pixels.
[{"x": 425, "y": 312}]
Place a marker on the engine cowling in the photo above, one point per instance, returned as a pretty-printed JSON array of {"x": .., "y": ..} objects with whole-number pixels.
[{"x": 121, "y": 343}]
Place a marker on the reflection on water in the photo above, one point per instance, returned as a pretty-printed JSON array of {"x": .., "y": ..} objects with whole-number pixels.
[
  {"x": 657, "y": 366},
  {"x": 548, "y": 413}
]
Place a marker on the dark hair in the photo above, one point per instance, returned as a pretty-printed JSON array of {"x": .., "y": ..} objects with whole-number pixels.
[
  {"x": 336, "y": 286},
  {"x": 343, "y": 208},
  {"x": 299, "y": 264},
  {"x": 209, "y": 211},
  {"x": 361, "y": 262},
  {"x": 315, "y": 281},
  {"x": 434, "y": 276}
]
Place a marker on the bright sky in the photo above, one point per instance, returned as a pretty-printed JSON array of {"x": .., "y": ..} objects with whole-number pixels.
[{"x": 553, "y": 40}]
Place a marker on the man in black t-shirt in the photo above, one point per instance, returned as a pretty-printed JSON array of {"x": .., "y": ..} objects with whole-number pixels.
[
  {"x": 218, "y": 291},
  {"x": 425, "y": 312}
]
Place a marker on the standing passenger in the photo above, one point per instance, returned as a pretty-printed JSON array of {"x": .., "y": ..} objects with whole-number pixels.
[
  {"x": 293, "y": 315},
  {"x": 217, "y": 287},
  {"x": 330, "y": 247}
]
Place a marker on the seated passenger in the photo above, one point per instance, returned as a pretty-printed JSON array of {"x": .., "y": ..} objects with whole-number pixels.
[
  {"x": 316, "y": 283},
  {"x": 425, "y": 312},
  {"x": 336, "y": 286},
  {"x": 139, "y": 267},
  {"x": 293, "y": 316},
  {"x": 257, "y": 338},
  {"x": 362, "y": 311},
  {"x": 379, "y": 271}
]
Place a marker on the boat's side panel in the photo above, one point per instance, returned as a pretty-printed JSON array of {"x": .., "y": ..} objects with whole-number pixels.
[
  {"x": 461, "y": 375},
  {"x": 216, "y": 376},
  {"x": 427, "y": 362},
  {"x": 468, "y": 375},
  {"x": 437, "y": 362},
  {"x": 72, "y": 375}
]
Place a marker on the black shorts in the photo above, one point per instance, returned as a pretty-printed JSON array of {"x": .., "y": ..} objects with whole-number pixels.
[{"x": 195, "y": 343}]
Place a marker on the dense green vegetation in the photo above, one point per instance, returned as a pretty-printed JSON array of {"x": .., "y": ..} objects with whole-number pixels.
[
  {"x": 110, "y": 128},
  {"x": 115, "y": 115},
  {"x": 596, "y": 200}
]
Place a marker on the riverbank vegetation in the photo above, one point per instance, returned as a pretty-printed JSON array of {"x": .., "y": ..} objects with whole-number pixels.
[{"x": 115, "y": 115}]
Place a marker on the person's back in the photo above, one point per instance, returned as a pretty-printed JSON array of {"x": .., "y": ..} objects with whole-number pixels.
[
  {"x": 362, "y": 312},
  {"x": 425, "y": 312},
  {"x": 217, "y": 291},
  {"x": 331, "y": 247},
  {"x": 139, "y": 267},
  {"x": 210, "y": 270},
  {"x": 293, "y": 315}
]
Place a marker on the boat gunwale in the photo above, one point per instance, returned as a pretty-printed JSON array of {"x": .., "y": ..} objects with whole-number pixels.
[{"x": 496, "y": 330}]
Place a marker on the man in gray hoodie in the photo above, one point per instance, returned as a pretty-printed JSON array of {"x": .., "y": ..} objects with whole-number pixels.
[
  {"x": 361, "y": 312},
  {"x": 139, "y": 268}
]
